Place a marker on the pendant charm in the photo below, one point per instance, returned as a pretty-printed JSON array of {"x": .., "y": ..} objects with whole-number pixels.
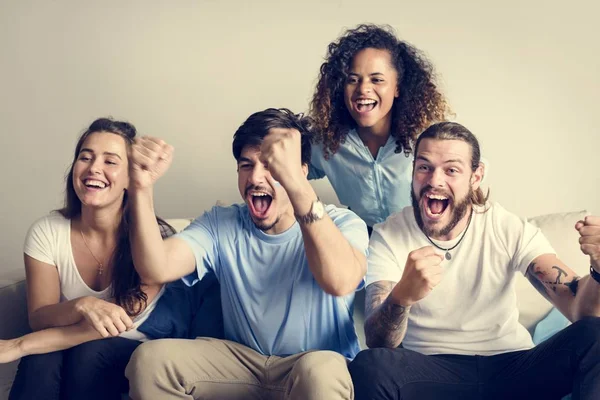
[{"x": 448, "y": 256}]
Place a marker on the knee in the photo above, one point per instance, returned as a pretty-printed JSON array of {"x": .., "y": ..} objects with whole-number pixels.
[
  {"x": 321, "y": 373},
  {"x": 587, "y": 330},
  {"x": 368, "y": 362},
  {"x": 149, "y": 358}
]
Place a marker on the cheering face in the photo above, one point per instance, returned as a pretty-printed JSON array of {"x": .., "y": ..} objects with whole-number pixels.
[
  {"x": 267, "y": 201},
  {"x": 100, "y": 173},
  {"x": 371, "y": 87},
  {"x": 442, "y": 188}
]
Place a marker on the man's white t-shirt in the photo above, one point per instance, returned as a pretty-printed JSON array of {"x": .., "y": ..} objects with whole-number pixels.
[{"x": 473, "y": 310}]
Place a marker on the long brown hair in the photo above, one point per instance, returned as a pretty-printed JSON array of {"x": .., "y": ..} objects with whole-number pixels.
[
  {"x": 125, "y": 281},
  {"x": 419, "y": 104}
]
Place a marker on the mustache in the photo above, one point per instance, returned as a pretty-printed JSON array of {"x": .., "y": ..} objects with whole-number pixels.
[
  {"x": 430, "y": 189},
  {"x": 258, "y": 189}
]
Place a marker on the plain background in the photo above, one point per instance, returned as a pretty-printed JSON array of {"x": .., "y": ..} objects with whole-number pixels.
[{"x": 522, "y": 75}]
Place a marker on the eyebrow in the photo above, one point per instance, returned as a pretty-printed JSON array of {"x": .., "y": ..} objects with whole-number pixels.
[
  {"x": 454, "y": 160},
  {"x": 106, "y": 153},
  {"x": 371, "y": 74},
  {"x": 244, "y": 159}
]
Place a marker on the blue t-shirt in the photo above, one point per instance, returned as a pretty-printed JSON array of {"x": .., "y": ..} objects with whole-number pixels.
[
  {"x": 373, "y": 188},
  {"x": 271, "y": 301}
]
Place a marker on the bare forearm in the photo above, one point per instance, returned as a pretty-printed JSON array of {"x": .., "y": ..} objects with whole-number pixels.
[
  {"x": 55, "y": 339},
  {"x": 386, "y": 325},
  {"x": 336, "y": 265},
  {"x": 147, "y": 246},
  {"x": 60, "y": 314}
]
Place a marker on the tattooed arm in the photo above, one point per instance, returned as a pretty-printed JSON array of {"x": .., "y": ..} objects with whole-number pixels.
[
  {"x": 385, "y": 324},
  {"x": 575, "y": 297}
]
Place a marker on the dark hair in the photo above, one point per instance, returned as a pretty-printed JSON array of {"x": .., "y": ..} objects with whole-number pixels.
[
  {"x": 257, "y": 126},
  {"x": 125, "y": 281},
  {"x": 419, "y": 103},
  {"x": 456, "y": 131}
]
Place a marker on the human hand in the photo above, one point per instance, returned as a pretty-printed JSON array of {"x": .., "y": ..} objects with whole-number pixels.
[
  {"x": 281, "y": 152},
  {"x": 10, "y": 350},
  {"x": 589, "y": 242},
  {"x": 422, "y": 272},
  {"x": 149, "y": 159},
  {"x": 107, "y": 318}
]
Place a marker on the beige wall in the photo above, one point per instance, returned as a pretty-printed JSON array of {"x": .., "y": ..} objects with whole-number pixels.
[{"x": 523, "y": 77}]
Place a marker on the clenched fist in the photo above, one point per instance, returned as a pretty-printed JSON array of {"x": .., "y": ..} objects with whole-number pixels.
[
  {"x": 149, "y": 159},
  {"x": 422, "y": 273},
  {"x": 281, "y": 152},
  {"x": 589, "y": 229}
]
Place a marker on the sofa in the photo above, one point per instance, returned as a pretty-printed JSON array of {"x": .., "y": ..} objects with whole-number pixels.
[{"x": 533, "y": 308}]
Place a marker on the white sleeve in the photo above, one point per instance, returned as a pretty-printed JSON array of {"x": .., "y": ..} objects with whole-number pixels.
[
  {"x": 524, "y": 242},
  {"x": 39, "y": 242},
  {"x": 382, "y": 262}
]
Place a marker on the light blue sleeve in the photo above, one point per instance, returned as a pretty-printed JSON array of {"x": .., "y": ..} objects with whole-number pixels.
[
  {"x": 201, "y": 236},
  {"x": 315, "y": 168}
]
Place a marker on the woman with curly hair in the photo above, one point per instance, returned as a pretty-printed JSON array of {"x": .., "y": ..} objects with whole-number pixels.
[{"x": 375, "y": 94}]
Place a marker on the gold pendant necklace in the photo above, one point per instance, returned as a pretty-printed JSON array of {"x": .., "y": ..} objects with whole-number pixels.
[{"x": 100, "y": 265}]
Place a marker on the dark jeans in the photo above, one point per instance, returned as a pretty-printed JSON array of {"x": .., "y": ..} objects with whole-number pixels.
[
  {"x": 93, "y": 370},
  {"x": 567, "y": 362}
]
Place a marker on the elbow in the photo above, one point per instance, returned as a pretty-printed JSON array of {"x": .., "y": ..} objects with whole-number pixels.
[
  {"x": 34, "y": 322},
  {"x": 339, "y": 289}
]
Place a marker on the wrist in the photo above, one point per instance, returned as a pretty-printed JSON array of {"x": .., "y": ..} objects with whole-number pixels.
[
  {"x": 400, "y": 300},
  {"x": 594, "y": 274}
]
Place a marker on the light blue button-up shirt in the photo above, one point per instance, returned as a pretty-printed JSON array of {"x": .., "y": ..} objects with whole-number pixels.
[{"x": 373, "y": 188}]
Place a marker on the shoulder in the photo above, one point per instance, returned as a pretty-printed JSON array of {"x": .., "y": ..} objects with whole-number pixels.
[
  {"x": 51, "y": 222},
  {"x": 221, "y": 217}
]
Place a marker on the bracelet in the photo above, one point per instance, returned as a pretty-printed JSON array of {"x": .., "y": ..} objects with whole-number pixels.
[{"x": 594, "y": 274}]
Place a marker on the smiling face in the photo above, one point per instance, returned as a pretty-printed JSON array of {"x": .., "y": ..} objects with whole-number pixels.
[
  {"x": 443, "y": 183},
  {"x": 371, "y": 87},
  {"x": 100, "y": 172},
  {"x": 269, "y": 205}
]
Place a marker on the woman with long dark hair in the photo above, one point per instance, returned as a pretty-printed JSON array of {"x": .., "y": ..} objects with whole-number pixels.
[
  {"x": 82, "y": 284},
  {"x": 374, "y": 95}
]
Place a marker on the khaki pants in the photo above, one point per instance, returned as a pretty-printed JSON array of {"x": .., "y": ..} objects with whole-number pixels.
[{"x": 208, "y": 368}]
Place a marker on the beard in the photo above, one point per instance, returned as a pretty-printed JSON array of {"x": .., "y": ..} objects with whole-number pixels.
[
  {"x": 459, "y": 210},
  {"x": 264, "y": 226}
]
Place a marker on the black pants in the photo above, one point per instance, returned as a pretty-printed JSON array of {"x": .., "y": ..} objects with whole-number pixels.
[
  {"x": 567, "y": 362},
  {"x": 93, "y": 370}
]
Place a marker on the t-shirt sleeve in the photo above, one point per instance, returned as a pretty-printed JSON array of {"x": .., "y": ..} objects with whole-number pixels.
[
  {"x": 39, "y": 243},
  {"x": 315, "y": 168},
  {"x": 382, "y": 262},
  {"x": 201, "y": 236},
  {"x": 352, "y": 227},
  {"x": 524, "y": 242}
]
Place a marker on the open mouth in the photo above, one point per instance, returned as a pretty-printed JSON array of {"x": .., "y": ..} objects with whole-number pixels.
[
  {"x": 435, "y": 205},
  {"x": 94, "y": 184},
  {"x": 364, "y": 105},
  {"x": 260, "y": 203}
]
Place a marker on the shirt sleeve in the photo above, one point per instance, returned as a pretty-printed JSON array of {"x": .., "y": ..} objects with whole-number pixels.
[
  {"x": 315, "y": 167},
  {"x": 382, "y": 262},
  {"x": 39, "y": 242},
  {"x": 201, "y": 236},
  {"x": 524, "y": 242}
]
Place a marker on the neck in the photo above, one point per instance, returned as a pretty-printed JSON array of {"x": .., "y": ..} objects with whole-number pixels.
[
  {"x": 101, "y": 222},
  {"x": 286, "y": 220}
]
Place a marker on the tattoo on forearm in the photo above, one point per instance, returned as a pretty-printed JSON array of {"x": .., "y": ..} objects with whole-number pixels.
[
  {"x": 386, "y": 322},
  {"x": 546, "y": 284}
]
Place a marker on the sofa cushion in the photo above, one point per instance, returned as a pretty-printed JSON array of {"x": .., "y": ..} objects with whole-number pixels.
[{"x": 559, "y": 229}]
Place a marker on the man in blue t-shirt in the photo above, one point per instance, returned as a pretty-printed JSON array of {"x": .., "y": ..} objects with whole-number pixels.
[{"x": 288, "y": 267}]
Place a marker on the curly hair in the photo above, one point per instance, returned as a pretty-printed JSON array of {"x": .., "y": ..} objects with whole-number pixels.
[{"x": 419, "y": 104}]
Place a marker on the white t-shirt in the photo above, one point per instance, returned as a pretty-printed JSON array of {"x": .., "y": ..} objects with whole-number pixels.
[
  {"x": 473, "y": 310},
  {"x": 49, "y": 241}
]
